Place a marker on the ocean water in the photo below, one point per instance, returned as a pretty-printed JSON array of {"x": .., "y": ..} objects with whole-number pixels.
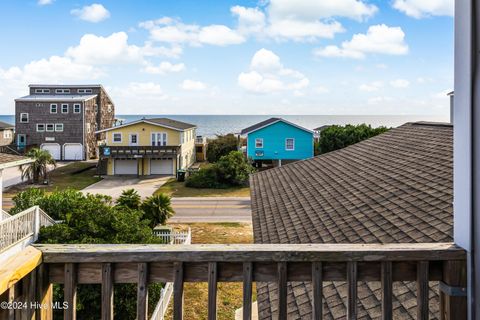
[{"x": 210, "y": 125}]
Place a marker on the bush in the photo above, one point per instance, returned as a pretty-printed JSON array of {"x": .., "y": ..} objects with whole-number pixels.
[
  {"x": 338, "y": 137},
  {"x": 231, "y": 170},
  {"x": 157, "y": 209},
  {"x": 221, "y": 146},
  {"x": 130, "y": 199},
  {"x": 26, "y": 199}
]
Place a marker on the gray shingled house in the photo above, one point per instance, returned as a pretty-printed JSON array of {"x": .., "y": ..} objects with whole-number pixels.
[{"x": 394, "y": 188}]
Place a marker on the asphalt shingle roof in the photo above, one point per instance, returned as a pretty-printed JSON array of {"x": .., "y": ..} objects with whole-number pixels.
[
  {"x": 4, "y": 125},
  {"x": 259, "y": 125},
  {"x": 172, "y": 123},
  {"x": 395, "y": 187}
]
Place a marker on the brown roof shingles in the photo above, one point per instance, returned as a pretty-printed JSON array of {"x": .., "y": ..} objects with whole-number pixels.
[{"x": 395, "y": 187}]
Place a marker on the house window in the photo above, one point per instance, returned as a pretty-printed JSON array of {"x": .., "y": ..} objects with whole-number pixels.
[
  {"x": 58, "y": 127},
  {"x": 42, "y": 90},
  {"x": 290, "y": 144},
  {"x": 117, "y": 138},
  {"x": 38, "y": 104},
  {"x": 134, "y": 139},
  {"x": 62, "y": 91},
  {"x": 7, "y": 134},
  {"x": 40, "y": 127},
  {"x": 84, "y": 90},
  {"x": 64, "y": 108},
  {"x": 258, "y": 143},
  {"x": 50, "y": 127},
  {"x": 159, "y": 139},
  {"x": 24, "y": 117},
  {"x": 53, "y": 108},
  {"x": 76, "y": 108}
]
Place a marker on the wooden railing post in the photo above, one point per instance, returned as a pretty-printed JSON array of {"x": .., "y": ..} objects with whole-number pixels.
[
  {"x": 70, "y": 291},
  {"x": 453, "y": 291},
  {"x": 422, "y": 290},
  {"x": 317, "y": 290},
  {"x": 44, "y": 294},
  {"x": 386, "y": 277},
  {"x": 212, "y": 290},
  {"x": 247, "y": 290},
  {"x": 107, "y": 291},
  {"x": 282, "y": 290},
  {"x": 352, "y": 290},
  {"x": 142, "y": 292},
  {"x": 178, "y": 291}
]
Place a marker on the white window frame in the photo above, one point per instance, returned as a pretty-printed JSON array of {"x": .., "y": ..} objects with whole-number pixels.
[
  {"x": 293, "y": 144},
  {"x": 42, "y": 90},
  {"x": 84, "y": 91},
  {"x": 62, "y": 90},
  {"x": 7, "y": 134},
  {"x": 49, "y": 124},
  {"x": 130, "y": 143},
  {"x": 75, "y": 106},
  {"x": 257, "y": 142},
  {"x": 113, "y": 137},
  {"x": 65, "y": 105},
  {"x": 164, "y": 138},
  {"x": 56, "y": 108},
  {"x": 58, "y": 126},
  {"x": 21, "y": 117},
  {"x": 40, "y": 124}
]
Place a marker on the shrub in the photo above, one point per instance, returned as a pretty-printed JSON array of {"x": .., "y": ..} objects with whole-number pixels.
[
  {"x": 221, "y": 146},
  {"x": 130, "y": 199},
  {"x": 206, "y": 177},
  {"x": 338, "y": 137},
  {"x": 26, "y": 199},
  {"x": 157, "y": 209}
]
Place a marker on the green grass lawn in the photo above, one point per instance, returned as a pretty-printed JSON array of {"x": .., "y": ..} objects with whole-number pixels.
[
  {"x": 178, "y": 189},
  {"x": 75, "y": 175}
]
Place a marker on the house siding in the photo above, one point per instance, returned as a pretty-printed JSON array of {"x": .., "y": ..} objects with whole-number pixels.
[{"x": 274, "y": 137}]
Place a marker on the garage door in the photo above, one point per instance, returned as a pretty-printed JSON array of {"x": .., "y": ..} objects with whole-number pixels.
[
  {"x": 72, "y": 151},
  {"x": 164, "y": 166},
  {"x": 126, "y": 167},
  {"x": 53, "y": 148}
]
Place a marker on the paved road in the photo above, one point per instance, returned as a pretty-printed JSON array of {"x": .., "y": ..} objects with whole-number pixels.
[{"x": 211, "y": 209}]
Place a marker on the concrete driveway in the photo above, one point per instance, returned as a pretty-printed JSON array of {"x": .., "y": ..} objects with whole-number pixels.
[
  {"x": 114, "y": 185},
  {"x": 211, "y": 209}
]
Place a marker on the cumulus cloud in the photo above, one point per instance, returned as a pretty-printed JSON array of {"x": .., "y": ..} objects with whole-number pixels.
[
  {"x": 44, "y": 2},
  {"x": 92, "y": 13},
  {"x": 174, "y": 31},
  {"x": 371, "y": 87},
  {"x": 164, "y": 68},
  {"x": 380, "y": 39},
  {"x": 400, "y": 83},
  {"x": 193, "y": 85},
  {"x": 421, "y": 8},
  {"x": 267, "y": 74},
  {"x": 250, "y": 20}
]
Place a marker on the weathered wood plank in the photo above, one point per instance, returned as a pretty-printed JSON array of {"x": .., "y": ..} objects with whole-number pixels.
[
  {"x": 107, "y": 291},
  {"x": 317, "y": 291},
  {"x": 29, "y": 283},
  {"x": 89, "y": 273},
  {"x": 212, "y": 291},
  {"x": 422, "y": 290},
  {"x": 454, "y": 275},
  {"x": 44, "y": 294},
  {"x": 18, "y": 266},
  {"x": 11, "y": 298},
  {"x": 247, "y": 290},
  {"x": 282, "y": 290},
  {"x": 142, "y": 291},
  {"x": 178, "y": 291},
  {"x": 70, "y": 291},
  {"x": 352, "y": 290},
  {"x": 387, "y": 290},
  {"x": 250, "y": 252}
]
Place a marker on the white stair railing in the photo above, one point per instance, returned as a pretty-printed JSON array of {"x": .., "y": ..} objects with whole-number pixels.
[
  {"x": 4, "y": 215},
  {"x": 23, "y": 225}
]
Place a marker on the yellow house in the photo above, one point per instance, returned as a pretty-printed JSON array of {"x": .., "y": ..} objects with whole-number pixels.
[{"x": 158, "y": 146}]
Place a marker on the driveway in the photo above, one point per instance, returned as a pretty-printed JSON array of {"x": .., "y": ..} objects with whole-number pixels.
[
  {"x": 114, "y": 185},
  {"x": 211, "y": 209}
]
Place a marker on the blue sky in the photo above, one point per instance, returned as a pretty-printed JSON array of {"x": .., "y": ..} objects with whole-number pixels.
[{"x": 235, "y": 57}]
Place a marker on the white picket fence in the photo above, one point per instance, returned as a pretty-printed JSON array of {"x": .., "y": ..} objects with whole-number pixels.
[
  {"x": 172, "y": 237},
  {"x": 21, "y": 226}
]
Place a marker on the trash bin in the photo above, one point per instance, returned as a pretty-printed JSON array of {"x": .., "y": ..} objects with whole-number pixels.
[{"x": 181, "y": 175}]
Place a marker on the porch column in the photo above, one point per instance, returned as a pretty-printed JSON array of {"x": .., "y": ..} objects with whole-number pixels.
[{"x": 467, "y": 144}]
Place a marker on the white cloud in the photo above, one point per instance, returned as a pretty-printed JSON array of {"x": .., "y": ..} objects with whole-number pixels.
[
  {"x": 164, "y": 68},
  {"x": 193, "y": 85},
  {"x": 380, "y": 100},
  {"x": 44, "y": 2},
  {"x": 267, "y": 75},
  {"x": 371, "y": 87},
  {"x": 379, "y": 39},
  {"x": 92, "y": 13},
  {"x": 422, "y": 8},
  {"x": 173, "y": 31},
  {"x": 400, "y": 83},
  {"x": 250, "y": 20},
  {"x": 145, "y": 89}
]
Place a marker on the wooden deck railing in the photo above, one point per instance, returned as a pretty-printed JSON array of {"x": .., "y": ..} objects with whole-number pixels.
[
  {"x": 134, "y": 151},
  {"x": 74, "y": 265}
]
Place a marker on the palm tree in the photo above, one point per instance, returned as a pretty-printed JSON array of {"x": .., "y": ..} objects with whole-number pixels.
[
  {"x": 157, "y": 209},
  {"x": 39, "y": 168},
  {"x": 130, "y": 199}
]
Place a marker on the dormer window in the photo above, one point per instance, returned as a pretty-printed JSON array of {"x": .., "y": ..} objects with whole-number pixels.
[
  {"x": 42, "y": 90},
  {"x": 84, "y": 91},
  {"x": 62, "y": 91}
]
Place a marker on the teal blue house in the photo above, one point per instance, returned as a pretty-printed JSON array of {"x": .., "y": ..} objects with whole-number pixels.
[{"x": 278, "y": 140}]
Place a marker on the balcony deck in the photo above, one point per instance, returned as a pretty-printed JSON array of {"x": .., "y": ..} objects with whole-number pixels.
[
  {"x": 138, "y": 151},
  {"x": 74, "y": 265}
]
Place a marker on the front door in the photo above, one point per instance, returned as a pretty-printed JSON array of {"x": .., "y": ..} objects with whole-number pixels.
[
  {"x": 21, "y": 141},
  {"x": 159, "y": 139},
  {"x": 133, "y": 140}
]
